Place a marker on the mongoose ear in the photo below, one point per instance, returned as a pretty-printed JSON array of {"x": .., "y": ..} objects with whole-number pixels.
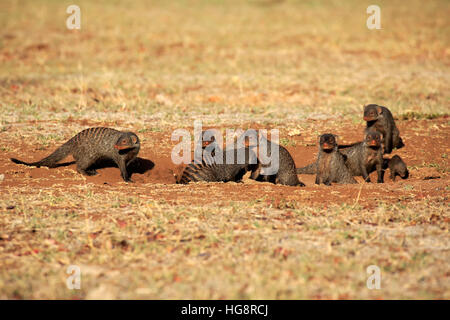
[{"x": 379, "y": 110}]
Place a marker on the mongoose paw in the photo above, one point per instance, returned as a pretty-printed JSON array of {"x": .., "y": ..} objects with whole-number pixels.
[{"x": 91, "y": 172}]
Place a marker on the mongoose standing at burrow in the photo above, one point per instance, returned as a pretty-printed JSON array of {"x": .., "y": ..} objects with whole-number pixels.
[
  {"x": 381, "y": 119},
  {"x": 397, "y": 167},
  {"x": 364, "y": 157},
  {"x": 92, "y": 145},
  {"x": 331, "y": 163},
  {"x": 285, "y": 175}
]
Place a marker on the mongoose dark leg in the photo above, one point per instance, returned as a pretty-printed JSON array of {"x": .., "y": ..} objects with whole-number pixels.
[
  {"x": 380, "y": 173},
  {"x": 317, "y": 179},
  {"x": 123, "y": 170},
  {"x": 365, "y": 174},
  {"x": 388, "y": 142},
  {"x": 86, "y": 172},
  {"x": 83, "y": 164},
  {"x": 255, "y": 173},
  {"x": 393, "y": 176}
]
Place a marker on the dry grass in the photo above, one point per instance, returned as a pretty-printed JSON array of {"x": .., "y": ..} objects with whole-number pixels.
[
  {"x": 130, "y": 247},
  {"x": 150, "y": 67}
]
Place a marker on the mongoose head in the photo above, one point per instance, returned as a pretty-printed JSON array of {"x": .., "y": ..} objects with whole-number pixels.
[
  {"x": 373, "y": 139},
  {"x": 371, "y": 112},
  {"x": 127, "y": 140},
  {"x": 208, "y": 137},
  {"x": 328, "y": 142}
]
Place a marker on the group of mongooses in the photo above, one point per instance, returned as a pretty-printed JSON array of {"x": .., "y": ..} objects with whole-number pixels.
[
  {"x": 226, "y": 171},
  {"x": 334, "y": 164},
  {"x": 337, "y": 163}
]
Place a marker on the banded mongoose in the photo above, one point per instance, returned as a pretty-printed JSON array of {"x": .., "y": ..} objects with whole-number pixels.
[
  {"x": 92, "y": 145},
  {"x": 365, "y": 157},
  {"x": 381, "y": 119},
  {"x": 210, "y": 170},
  {"x": 331, "y": 163},
  {"x": 285, "y": 175},
  {"x": 397, "y": 167}
]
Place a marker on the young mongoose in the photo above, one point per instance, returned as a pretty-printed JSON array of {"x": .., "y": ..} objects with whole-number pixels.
[
  {"x": 364, "y": 157},
  {"x": 381, "y": 119},
  {"x": 285, "y": 175},
  {"x": 331, "y": 163},
  {"x": 91, "y": 146},
  {"x": 397, "y": 167},
  {"x": 211, "y": 171}
]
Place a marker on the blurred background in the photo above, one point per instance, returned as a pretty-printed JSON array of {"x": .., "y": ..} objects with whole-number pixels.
[{"x": 226, "y": 61}]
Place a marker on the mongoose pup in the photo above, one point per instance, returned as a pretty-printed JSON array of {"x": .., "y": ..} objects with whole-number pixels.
[
  {"x": 397, "y": 167},
  {"x": 331, "y": 163},
  {"x": 285, "y": 175},
  {"x": 364, "y": 157},
  {"x": 211, "y": 171},
  {"x": 91, "y": 146},
  {"x": 381, "y": 119}
]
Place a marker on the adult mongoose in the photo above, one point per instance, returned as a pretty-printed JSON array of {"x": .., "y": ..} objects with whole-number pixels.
[
  {"x": 92, "y": 145},
  {"x": 380, "y": 118},
  {"x": 365, "y": 157},
  {"x": 331, "y": 163},
  {"x": 285, "y": 175},
  {"x": 211, "y": 170}
]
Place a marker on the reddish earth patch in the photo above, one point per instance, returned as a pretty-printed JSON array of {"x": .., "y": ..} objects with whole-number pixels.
[{"x": 427, "y": 147}]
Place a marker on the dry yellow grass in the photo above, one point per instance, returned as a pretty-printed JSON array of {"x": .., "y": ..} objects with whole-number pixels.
[{"x": 150, "y": 66}]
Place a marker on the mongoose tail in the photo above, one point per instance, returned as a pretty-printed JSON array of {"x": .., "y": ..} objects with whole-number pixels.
[
  {"x": 52, "y": 160},
  {"x": 309, "y": 169}
]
